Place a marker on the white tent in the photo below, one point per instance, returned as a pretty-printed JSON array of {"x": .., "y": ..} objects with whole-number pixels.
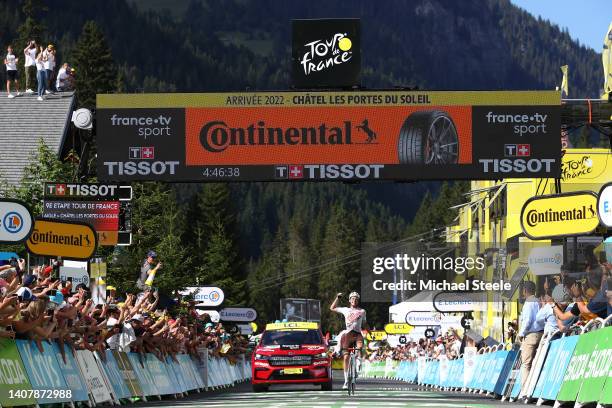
[{"x": 423, "y": 304}]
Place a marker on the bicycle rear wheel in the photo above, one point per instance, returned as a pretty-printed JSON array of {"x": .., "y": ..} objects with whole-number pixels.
[{"x": 352, "y": 374}]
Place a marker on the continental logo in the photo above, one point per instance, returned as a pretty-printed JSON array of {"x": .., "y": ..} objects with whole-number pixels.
[
  {"x": 60, "y": 238},
  {"x": 217, "y": 136},
  {"x": 49, "y": 237},
  {"x": 560, "y": 215},
  {"x": 535, "y": 217}
]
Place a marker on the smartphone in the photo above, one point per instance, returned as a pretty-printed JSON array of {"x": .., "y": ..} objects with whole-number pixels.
[{"x": 52, "y": 292}]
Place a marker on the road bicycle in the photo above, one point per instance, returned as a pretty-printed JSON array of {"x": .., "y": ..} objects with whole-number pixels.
[{"x": 351, "y": 376}]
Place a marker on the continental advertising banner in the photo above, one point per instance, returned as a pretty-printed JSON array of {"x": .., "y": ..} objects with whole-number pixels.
[{"x": 328, "y": 136}]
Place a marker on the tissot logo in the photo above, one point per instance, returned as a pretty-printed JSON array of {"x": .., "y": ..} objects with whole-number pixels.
[
  {"x": 217, "y": 136},
  {"x": 326, "y": 53}
]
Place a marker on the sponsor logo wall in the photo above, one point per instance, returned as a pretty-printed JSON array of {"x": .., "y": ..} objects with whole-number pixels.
[{"x": 328, "y": 136}]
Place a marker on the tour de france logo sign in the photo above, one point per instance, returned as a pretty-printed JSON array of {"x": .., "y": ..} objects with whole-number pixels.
[{"x": 326, "y": 53}]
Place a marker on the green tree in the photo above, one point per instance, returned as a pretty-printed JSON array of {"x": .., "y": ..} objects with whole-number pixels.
[
  {"x": 342, "y": 238},
  {"x": 31, "y": 28},
  {"x": 299, "y": 282},
  {"x": 96, "y": 70},
  {"x": 158, "y": 223},
  {"x": 221, "y": 267},
  {"x": 264, "y": 285},
  {"x": 42, "y": 166}
]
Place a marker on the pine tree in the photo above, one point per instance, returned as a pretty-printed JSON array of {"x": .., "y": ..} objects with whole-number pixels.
[
  {"x": 299, "y": 258},
  {"x": 95, "y": 69},
  {"x": 31, "y": 28},
  {"x": 221, "y": 266},
  {"x": 43, "y": 165},
  {"x": 264, "y": 286},
  {"x": 342, "y": 238},
  {"x": 157, "y": 224}
]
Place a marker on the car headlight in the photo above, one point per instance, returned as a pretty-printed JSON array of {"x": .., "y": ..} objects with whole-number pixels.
[
  {"x": 261, "y": 357},
  {"x": 322, "y": 355}
]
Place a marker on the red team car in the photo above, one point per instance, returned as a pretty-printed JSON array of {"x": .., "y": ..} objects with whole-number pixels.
[{"x": 291, "y": 353}]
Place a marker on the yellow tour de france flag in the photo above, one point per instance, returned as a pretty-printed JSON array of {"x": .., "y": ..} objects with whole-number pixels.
[
  {"x": 606, "y": 59},
  {"x": 564, "y": 83}
]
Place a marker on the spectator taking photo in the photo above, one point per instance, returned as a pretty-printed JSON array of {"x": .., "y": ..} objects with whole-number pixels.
[{"x": 30, "y": 66}]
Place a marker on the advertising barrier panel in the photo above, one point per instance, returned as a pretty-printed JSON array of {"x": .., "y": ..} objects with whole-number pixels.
[
  {"x": 44, "y": 372},
  {"x": 15, "y": 387},
  {"x": 598, "y": 368},
  {"x": 554, "y": 369},
  {"x": 162, "y": 381},
  {"x": 93, "y": 376},
  {"x": 146, "y": 380},
  {"x": 71, "y": 372},
  {"x": 127, "y": 372},
  {"x": 469, "y": 365},
  {"x": 329, "y": 136},
  {"x": 111, "y": 368}
]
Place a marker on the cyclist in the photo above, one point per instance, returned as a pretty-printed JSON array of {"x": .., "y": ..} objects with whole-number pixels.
[{"x": 354, "y": 317}]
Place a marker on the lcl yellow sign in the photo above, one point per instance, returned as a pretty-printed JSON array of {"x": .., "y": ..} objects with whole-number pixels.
[
  {"x": 376, "y": 335},
  {"x": 60, "y": 238},
  {"x": 398, "y": 328},
  {"x": 560, "y": 215}
]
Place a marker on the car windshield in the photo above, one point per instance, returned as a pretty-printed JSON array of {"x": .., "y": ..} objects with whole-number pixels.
[{"x": 291, "y": 337}]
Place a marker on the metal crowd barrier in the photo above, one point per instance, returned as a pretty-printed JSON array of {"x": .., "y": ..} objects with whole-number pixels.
[
  {"x": 29, "y": 377},
  {"x": 573, "y": 368}
]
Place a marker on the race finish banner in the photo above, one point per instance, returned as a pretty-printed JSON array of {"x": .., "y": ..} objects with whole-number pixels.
[{"x": 328, "y": 136}]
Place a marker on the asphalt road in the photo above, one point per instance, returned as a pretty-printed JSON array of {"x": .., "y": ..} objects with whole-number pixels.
[{"x": 376, "y": 392}]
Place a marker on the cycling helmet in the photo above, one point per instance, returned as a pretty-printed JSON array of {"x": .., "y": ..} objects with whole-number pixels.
[{"x": 354, "y": 294}]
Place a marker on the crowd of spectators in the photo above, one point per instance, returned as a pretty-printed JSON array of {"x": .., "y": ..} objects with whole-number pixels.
[
  {"x": 450, "y": 345},
  {"x": 579, "y": 294},
  {"x": 35, "y": 305},
  {"x": 40, "y": 75}
]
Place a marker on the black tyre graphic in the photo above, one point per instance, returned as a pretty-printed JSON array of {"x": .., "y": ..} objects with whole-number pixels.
[{"x": 428, "y": 137}]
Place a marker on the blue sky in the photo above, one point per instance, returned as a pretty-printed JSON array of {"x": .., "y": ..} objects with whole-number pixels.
[{"x": 586, "y": 20}]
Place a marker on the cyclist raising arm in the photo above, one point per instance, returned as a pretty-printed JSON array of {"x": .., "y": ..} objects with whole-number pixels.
[{"x": 354, "y": 317}]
